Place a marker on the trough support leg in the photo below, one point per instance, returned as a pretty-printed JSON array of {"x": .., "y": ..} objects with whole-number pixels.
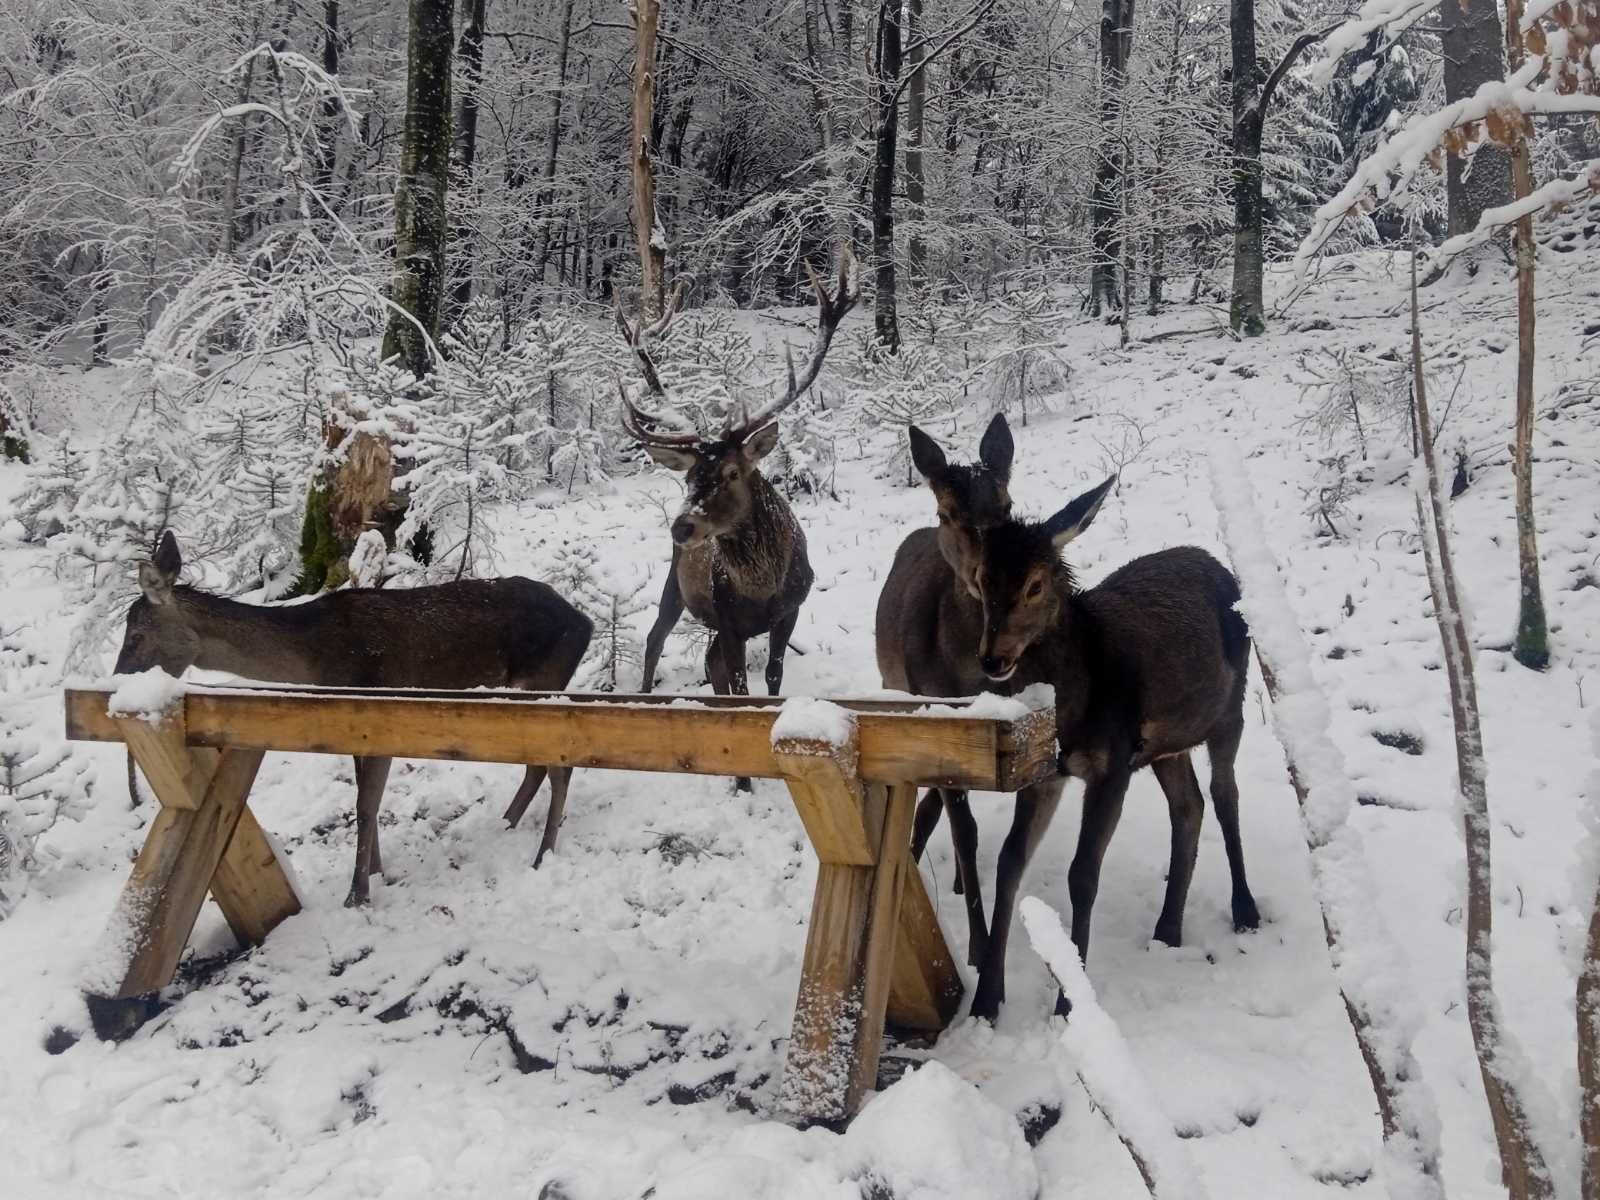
[
  {"x": 202, "y": 839},
  {"x": 850, "y": 949},
  {"x": 925, "y": 989}
]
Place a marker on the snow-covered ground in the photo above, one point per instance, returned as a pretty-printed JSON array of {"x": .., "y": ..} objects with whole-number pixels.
[{"x": 614, "y": 1025}]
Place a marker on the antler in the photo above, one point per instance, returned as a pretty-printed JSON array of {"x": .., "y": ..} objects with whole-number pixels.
[
  {"x": 831, "y": 310},
  {"x": 636, "y": 422}
]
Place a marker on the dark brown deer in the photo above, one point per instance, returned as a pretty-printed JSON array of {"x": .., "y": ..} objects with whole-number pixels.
[
  {"x": 929, "y": 623},
  {"x": 738, "y": 554},
  {"x": 1146, "y": 666},
  {"x": 514, "y": 633}
]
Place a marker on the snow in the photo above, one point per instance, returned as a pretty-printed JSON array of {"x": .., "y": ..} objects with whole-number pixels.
[
  {"x": 803, "y": 718},
  {"x": 992, "y": 706},
  {"x": 648, "y": 973},
  {"x": 147, "y": 694},
  {"x": 1103, "y": 1062}
]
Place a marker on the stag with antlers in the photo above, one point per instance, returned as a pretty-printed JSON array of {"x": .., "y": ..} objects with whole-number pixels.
[{"x": 738, "y": 554}]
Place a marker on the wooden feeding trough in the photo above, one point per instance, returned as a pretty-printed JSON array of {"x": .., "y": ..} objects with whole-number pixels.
[{"x": 874, "y": 946}]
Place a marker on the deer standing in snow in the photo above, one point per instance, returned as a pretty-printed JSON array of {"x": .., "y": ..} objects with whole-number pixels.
[
  {"x": 512, "y": 632},
  {"x": 739, "y": 561}
]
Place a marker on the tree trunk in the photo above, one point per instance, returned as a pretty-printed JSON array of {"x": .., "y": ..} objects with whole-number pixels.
[
  {"x": 916, "y": 104},
  {"x": 1246, "y": 309},
  {"x": 421, "y": 229},
  {"x": 1159, "y": 188},
  {"x": 1589, "y": 1051},
  {"x": 651, "y": 237},
  {"x": 1533, "y": 636},
  {"x": 471, "y": 52},
  {"x": 552, "y": 145},
  {"x": 1522, "y": 1166},
  {"x": 1116, "y": 42},
  {"x": 1473, "y": 55},
  {"x": 885, "y": 316},
  {"x": 327, "y": 157}
]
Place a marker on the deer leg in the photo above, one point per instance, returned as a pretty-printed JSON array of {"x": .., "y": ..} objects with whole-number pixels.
[
  {"x": 777, "y": 643},
  {"x": 1102, "y": 809},
  {"x": 925, "y": 822},
  {"x": 964, "y": 841},
  {"x": 1035, "y": 806},
  {"x": 1223, "y": 747},
  {"x": 670, "y": 609},
  {"x": 525, "y": 793},
  {"x": 717, "y": 671},
  {"x": 559, "y": 778},
  {"x": 371, "y": 775},
  {"x": 733, "y": 672},
  {"x": 1187, "y": 806}
]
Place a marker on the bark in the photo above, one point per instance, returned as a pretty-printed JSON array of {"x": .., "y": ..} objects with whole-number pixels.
[
  {"x": 1522, "y": 1166},
  {"x": 1532, "y": 648},
  {"x": 1116, "y": 43},
  {"x": 1472, "y": 46},
  {"x": 552, "y": 145},
  {"x": 421, "y": 228},
  {"x": 886, "y": 72},
  {"x": 471, "y": 52},
  {"x": 916, "y": 104},
  {"x": 328, "y": 138},
  {"x": 1251, "y": 103},
  {"x": 650, "y": 236},
  {"x": 1589, "y": 1055},
  {"x": 1160, "y": 188}
]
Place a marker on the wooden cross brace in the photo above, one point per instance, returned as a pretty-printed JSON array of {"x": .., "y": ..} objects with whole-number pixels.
[{"x": 204, "y": 838}]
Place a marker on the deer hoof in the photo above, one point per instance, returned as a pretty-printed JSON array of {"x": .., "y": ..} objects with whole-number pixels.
[
  {"x": 742, "y": 784},
  {"x": 1169, "y": 933},
  {"x": 1063, "y": 1005},
  {"x": 1246, "y": 917},
  {"x": 358, "y": 897}
]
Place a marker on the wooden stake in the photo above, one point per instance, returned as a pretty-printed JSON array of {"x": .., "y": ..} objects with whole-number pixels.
[
  {"x": 849, "y": 961},
  {"x": 925, "y": 990},
  {"x": 250, "y": 884}
]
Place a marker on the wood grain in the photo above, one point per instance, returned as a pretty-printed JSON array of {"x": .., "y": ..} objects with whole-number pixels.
[{"x": 250, "y": 885}]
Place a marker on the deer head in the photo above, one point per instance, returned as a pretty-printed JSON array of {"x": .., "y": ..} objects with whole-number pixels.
[
  {"x": 1022, "y": 582},
  {"x": 720, "y": 471},
  {"x": 157, "y": 634},
  {"x": 972, "y": 497}
]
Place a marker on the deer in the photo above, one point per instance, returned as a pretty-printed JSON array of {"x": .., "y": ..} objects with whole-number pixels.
[
  {"x": 929, "y": 622},
  {"x": 739, "y": 562},
  {"x": 512, "y": 632},
  {"x": 1147, "y": 665}
]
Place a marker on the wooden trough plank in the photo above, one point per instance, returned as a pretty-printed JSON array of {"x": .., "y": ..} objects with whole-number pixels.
[
  {"x": 925, "y": 991},
  {"x": 161, "y": 750},
  {"x": 828, "y": 794},
  {"x": 169, "y": 881},
  {"x": 250, "y": 885},
  {"x": 928, "y": 750},
  {"x": 845, "y": 976}
]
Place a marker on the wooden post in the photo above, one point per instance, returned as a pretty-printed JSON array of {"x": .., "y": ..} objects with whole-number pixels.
[
  {"x": 203, "y": 824},
  {"x": 925, "y": 989},
  {"x": 850, "y": 945}
]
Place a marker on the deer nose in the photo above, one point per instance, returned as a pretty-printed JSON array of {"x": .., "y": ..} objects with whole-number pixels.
[
  {"x": 995, "y": 666},
  {"x": 683, "y": 530}
]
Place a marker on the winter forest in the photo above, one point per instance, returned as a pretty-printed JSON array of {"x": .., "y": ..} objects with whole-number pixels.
[{"x": 1222, "y": 380}]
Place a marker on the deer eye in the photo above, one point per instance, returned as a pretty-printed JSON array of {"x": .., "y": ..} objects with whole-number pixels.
[{"x": 1035, "y": 589}]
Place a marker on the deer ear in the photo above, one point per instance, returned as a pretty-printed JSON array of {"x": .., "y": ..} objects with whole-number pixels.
[
  {"x": 996, "y": 448},
  {"x": 926, "y": 455},
  {"x": 1075, "y": 517},
  {"x": 157, "y": 576},
  {"x": 671, "y": 457},
  {"x": 760, "y": 443}
]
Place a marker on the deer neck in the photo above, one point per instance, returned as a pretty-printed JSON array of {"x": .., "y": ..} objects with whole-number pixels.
[
  {"x": 251, "y": 641},
  {"x": 756, "y": 551},
  {"x": 1068, "y": 660}
]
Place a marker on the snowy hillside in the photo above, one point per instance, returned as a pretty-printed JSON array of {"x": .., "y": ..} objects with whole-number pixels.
[{"x": 613, "y": 1026}]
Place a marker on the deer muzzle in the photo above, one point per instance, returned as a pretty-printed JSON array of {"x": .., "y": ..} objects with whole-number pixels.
[
  {"x": 689, "y": 529},
  {"x": 997, "y": 667}
]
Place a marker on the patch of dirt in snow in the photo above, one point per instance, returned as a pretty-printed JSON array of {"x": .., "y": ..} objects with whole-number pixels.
[{"x": 617, "y": 1021}]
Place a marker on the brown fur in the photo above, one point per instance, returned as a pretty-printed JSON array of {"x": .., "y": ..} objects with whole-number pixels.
[
  {"x": 1146, "y": 666},
  {"x": 514, "y": 633}
]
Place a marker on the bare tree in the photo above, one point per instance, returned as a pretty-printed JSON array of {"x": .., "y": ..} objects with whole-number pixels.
[
  {"x": 1472, "y": 43},
  {"x": 652, "y": 239},
  {"x": 1522, "y": 1164},
  {"x": 1116, "y": 47}
]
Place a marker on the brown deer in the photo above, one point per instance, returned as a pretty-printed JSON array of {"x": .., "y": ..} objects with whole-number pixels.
[
  {"x": 1146, "y": 666},
  {"x": 738, "y": 554},
  {"x": 929, "y": 623},
  {"x": 471, "y": 633}
]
